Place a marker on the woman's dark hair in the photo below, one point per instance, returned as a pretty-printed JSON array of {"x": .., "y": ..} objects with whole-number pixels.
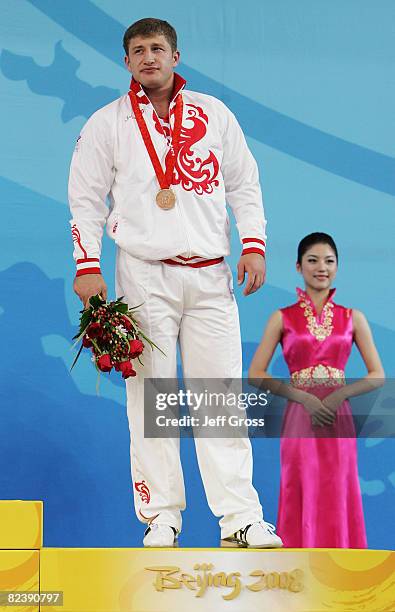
[{"x": 315, "y": 238}]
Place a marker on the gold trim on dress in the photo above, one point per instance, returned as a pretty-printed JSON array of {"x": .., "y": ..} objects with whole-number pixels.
[
  {"x": 321, "y": 331},
  {"x": 319, "y": 375}
]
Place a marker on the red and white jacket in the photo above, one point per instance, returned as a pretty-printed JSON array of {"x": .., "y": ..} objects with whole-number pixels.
[{"x": 213, "y": 166}]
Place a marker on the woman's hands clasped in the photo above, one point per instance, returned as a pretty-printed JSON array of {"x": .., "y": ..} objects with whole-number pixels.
[{"x": 320, "y": 413}]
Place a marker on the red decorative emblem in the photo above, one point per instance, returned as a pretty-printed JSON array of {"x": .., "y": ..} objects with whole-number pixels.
[
  {"x": 75, "y": 232},
  {"x": 143, "y": 490},
  {"x": 193, "y": 172}
]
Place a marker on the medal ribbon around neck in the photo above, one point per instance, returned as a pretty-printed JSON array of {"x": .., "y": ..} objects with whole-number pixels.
[{"x": 164, "y": 178}]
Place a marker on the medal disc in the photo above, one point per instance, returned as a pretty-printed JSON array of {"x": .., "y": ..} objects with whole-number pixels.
[{"x": 166, "y": 199}]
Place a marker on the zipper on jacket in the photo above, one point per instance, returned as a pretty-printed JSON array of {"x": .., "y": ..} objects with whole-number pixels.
[
  {"x": 184, "y": 224},
  {"x": 179, "y": 208}
]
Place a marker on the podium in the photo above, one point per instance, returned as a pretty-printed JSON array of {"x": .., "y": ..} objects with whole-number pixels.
[{"x": 33, "y": 577}]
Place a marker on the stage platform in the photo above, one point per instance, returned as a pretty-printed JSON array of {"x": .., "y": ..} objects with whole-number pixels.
[{"x": 183, "y": 579}]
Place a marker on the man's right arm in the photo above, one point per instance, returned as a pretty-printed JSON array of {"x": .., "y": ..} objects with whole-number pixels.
[{"x": 91, "y": 177}]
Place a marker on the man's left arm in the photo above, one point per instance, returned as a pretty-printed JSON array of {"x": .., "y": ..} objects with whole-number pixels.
[{"x": 244, "y": 196}]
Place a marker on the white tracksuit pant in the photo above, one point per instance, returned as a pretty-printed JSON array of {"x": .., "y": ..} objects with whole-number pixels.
[{"x": 196, "y": 307}]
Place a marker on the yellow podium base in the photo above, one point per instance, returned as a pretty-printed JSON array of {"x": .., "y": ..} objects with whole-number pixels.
[
  {"x": 172, "y": 580},
  {"x": 184, "y": 579},
  {"x": 21, "y": 524},
  {"x": 19, "y": 572}
]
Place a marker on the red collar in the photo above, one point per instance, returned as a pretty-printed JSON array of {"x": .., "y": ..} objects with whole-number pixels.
[
  {"x": 135, "y": 86},
  {"x": 302, "y": 295}
]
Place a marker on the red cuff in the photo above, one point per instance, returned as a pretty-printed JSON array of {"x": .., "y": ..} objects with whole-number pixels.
[
  {"x": 89, "y": 265},
  {"x": 253, "y": 245}
]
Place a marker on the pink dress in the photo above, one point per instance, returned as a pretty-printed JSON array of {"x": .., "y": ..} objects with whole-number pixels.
[{"x": 320, "y": 502}]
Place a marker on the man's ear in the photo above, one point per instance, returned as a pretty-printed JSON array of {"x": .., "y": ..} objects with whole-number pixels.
[
  {"x": 127, "y": 63},
  {"x": 176, "y": 58}
]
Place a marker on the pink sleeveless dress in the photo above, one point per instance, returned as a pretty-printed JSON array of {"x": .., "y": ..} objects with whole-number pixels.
[{"x": 320, "y": 502}]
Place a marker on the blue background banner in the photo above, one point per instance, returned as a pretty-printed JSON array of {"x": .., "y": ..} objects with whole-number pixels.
[{"x": 311, "y": 84}]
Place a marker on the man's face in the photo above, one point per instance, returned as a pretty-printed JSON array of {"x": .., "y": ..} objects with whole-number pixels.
[{"x": 151, "y": 61}]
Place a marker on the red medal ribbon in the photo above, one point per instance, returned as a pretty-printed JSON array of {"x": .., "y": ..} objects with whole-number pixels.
[{"x": 164, "y": 179}]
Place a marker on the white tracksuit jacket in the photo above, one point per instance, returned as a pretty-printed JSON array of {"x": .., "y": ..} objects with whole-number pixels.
[{"x": 214, "y": 166}]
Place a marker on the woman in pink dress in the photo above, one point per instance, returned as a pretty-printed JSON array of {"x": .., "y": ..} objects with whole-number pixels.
[{"x": 320, "y": 502}]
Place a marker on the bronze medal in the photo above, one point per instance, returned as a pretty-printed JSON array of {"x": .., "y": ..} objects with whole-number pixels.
[{"x": 166, "y": 199}]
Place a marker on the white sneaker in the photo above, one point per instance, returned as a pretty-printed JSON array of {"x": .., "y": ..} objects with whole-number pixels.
[
  {"x": 160, "y": 536},
  {"x": 257, "y": 535}
]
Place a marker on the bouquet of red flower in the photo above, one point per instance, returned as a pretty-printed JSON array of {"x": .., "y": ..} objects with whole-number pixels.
[{"x": 111, "y": 331}]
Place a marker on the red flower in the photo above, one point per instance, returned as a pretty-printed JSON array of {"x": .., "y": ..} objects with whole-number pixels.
[
  {"x": 126, "y": 368},
  {"x": 86, "y": 341},
  {"x": 104, "y": 363},
  {"x": 126, "y": 323},
  {"x": 95, "y": 330},
  {"x": 136, "y": 347}
]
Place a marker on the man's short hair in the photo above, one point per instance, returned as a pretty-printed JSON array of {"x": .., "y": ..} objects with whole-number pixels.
[{"x": 146, "y": 28}]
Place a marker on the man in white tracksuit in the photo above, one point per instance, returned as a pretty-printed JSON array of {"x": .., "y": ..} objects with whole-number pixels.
[{"x": 169, "y": 159}]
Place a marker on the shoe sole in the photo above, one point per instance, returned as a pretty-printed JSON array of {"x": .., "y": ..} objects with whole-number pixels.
[
  {"x": 175, "y": 545},
  {"x": 237, "y": 544}
]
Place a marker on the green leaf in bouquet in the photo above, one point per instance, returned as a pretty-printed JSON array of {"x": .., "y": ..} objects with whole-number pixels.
[
  {"x": 86, "y": 315},
  {"x": 88, "y": 309},
  {"x": 79, "y": 336},
  {"x": 122, "y": 335},
  {"x": 85, "y": 320},
  {"x": 76, "y": 358},
  {"x": 121, "y": 307},
  {"x": 96, "y": 301},
  {"x": 85, "y": 309},
  {"x": 97, "y": 348},
  {"x": 152, "y": 344},
  {"x": 135, "y": 307},
  {"x": 132, "y": 320}
]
